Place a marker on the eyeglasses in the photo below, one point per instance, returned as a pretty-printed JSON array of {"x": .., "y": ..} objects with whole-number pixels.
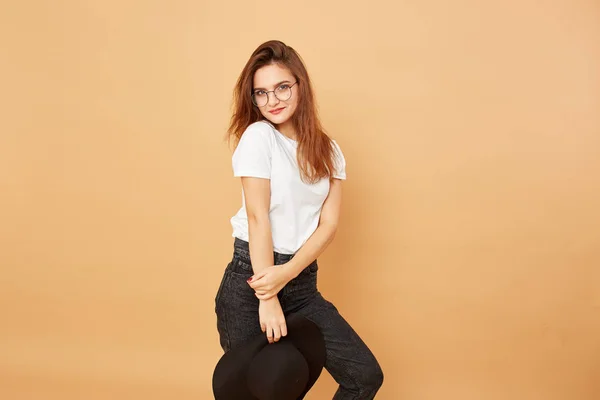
[{"x": 283, "y": 92}]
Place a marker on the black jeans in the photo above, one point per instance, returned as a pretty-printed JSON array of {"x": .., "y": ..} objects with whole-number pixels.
[{"x": 349, "y": 361}]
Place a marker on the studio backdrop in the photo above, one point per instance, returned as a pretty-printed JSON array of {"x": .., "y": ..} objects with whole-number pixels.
[{"x": 468, "y": 252}]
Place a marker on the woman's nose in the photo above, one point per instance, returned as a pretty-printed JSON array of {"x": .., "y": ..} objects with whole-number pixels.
[{"x": 272, "y": 99}]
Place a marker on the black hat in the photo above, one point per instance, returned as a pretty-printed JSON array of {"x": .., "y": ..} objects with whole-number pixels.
[{"x": 283, "y": 370}]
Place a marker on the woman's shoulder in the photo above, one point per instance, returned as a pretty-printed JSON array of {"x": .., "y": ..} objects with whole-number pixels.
[
  {"x": 263, "y": 127},
  {"x": 258, "y": 131},
  {"x": 337, "y": 149},
  {"x": 339, "y": 161}
]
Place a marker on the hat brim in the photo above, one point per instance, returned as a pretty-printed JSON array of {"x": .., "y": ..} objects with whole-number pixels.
[{"x": 232, "y": 370}]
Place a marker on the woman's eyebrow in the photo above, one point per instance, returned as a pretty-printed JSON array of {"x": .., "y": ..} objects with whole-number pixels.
[{"x": 277, "y": 84}]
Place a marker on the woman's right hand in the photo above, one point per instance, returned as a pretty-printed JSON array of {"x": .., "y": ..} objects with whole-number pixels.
[{"x": 272, "y": 320}]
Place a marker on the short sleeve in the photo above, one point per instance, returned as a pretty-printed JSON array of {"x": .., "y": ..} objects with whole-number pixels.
[
  {"x": 339, "y": 162},
  {"x": 252, "y": 156}
]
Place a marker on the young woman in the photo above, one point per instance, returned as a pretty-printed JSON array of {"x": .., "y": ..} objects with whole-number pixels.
[{"x": 291, "y": 174}]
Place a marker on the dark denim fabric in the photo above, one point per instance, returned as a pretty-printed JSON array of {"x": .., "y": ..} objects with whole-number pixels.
[{"x": 349, "y": 361}]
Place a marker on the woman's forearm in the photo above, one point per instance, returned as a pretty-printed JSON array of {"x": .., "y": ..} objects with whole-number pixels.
[
  {"x": 260, "y": 242},
  {"x": 311, "y": 250}
]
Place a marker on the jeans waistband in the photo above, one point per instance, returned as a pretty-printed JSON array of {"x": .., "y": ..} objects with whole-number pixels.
[{"x": 241, "y": 249}]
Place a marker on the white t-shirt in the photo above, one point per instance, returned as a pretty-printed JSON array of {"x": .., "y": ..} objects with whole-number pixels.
[{"x": 295, "y": 208}]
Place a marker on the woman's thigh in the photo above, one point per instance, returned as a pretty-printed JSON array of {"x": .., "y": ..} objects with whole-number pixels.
[
  {"x": 236, "y": 306},
  {"x": 349, "y": 360}
]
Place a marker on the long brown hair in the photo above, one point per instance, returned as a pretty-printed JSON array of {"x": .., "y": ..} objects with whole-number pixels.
[{"x": 315, "y": 149}]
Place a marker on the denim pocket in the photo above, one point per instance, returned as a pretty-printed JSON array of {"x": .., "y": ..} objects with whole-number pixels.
[{"x": 241, "y": 267}]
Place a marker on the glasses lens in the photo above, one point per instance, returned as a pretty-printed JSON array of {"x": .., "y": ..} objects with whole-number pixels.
[
  {"x": 259, "y": 99},
  {"x": 283, "y": 92}
]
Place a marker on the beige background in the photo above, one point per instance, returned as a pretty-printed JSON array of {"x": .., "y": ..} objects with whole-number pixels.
[{"x": 468, "y": 255}]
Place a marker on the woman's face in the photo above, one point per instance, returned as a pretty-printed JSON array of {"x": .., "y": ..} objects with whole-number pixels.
[{"x": 280, "y": 79}]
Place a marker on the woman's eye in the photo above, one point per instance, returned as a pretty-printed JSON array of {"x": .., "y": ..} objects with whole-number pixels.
[
  {"x": 284, "y": 86},
  {"x": 260, "y": 93}
]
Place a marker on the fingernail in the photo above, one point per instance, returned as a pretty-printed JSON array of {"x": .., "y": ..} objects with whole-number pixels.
[{"x": 249, "y": 279}]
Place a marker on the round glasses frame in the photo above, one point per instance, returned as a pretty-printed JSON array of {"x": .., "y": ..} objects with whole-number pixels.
[{"x": 274, "y": 93}]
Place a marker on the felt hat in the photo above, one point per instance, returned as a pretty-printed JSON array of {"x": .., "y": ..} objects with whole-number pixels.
[{"x": 283, "y": 370}]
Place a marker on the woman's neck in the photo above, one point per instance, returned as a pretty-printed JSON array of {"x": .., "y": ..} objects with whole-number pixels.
[{"x": 287, "y": 129}]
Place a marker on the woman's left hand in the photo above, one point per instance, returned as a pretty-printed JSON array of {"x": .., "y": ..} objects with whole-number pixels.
[{"x": 269, "y": 281}]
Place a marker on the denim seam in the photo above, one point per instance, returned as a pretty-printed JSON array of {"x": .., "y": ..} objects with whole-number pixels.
[{"x": 225, "y": 316}]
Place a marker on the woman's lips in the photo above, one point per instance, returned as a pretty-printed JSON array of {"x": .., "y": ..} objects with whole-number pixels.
[{"x": 277, "y": 110}]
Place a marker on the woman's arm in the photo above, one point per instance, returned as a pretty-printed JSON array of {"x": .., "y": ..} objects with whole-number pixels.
[
  {"x": 257, "y": 194},
  {"x": 272, "y": 279},
  {"x": 323, "y": 235}
]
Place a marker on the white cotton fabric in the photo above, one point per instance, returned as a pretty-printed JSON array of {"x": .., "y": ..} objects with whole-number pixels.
[{"x": 264, "y": 152}]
